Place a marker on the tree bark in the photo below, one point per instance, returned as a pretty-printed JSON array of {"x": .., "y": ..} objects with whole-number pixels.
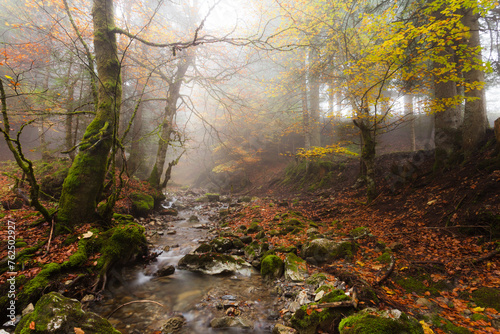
[
  {"x": 315, "y": 123},
  {"x": 446, "y": 122},
  {"x": 475, "y": 118},
  {"x": 83, "y": 185},
  {"x": 167, "y": 124},
  {"x": 408, "y": 110}
]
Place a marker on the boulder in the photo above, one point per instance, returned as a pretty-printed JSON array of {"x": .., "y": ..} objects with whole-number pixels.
[
  {"x": 165, "y": 271},
  {"x": 142, "y": 204},
  {"x": 173, "y": 325},
  {"x": 379, "y": 322},
  {"x": 295, "y": 268},
  {"x": 326, "y": 320},
  {"x": 271, "y": 267},
  {"x": 282, "y": 329},
  {"x": 212, "y": 263},
  {"x": 323, "y": 250},
  {"x": 57, "y": 314},
  {"x": 227, "y": 322}
]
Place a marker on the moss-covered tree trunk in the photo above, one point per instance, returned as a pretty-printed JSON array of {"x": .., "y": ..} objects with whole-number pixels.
[
  {"x": 167, "y": 125},
  {"x": 82, "y": 188}
]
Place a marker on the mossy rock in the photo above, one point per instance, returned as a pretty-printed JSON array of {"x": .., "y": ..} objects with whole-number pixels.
[
  {"x": 327, "y": 320},
  {"x": 271, "y": 267},
  {"x": 121, "y": 245},
  {"x": 212, "y": 263},
  {"x": 212, "y": 197},
  {"x": 370, "y": 321},
  {"x": 295, "y": 268},
  {"x": 33, "y": 289},
  {"x": 316, "y": 279},
  {"x": 56, "y": 314},
  {"x": 359, "y": 232},
  {"x": 203, "y": 248},
  {"x": 221, "y": 245},
  {"x": 322, "y": 250},
  {"x": 142, "y": 204},
  {"x": 487, "y": 297},
  {"x": 448, "y": 327},
  {"x": 384, "y": 258},
  {"x": 122, "y": 218},
  {"x": 51, "y": 184},
  {"x": 254, "y": 228}
]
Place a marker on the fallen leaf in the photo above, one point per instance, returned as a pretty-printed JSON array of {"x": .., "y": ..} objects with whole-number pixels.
[
  {"x": 32, "y": 325},
  {"x": 426, "y": 328},
  {"x": 478, "y": 309},
  {"x": 78, "y": 331}
]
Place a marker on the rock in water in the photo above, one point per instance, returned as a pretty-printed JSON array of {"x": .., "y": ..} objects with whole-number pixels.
[
  {"x": 212, "y": 263},
  {"x": 173, "y": 325},
  {"x": 226, "y": 322},
  {"x": 56, "y": 314},
  {"x": 281, "y": 329},
  {"x": 165, "y": 271}
]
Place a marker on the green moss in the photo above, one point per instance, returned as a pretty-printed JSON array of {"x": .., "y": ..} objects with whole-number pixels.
[
  {"x": 479, "y": 316},
  {"x": 326, "y": 319},
  {"x": 271, "y": 266},
  {"x": 487, "y": 297},
  {"x": 254, "y": 228},
  {"x": 416, "y": 284},
  {"x": 359, "y": 232},
  {"x": 384, "y": 258},
  {"x": 53, "y": 310},
  {"x": 34, "y": 288},
  {"x": 123, "y": 219},
  {"x": 373, "y": 322},
  {"x": 142, "y": 204},
  {"x": 20, "y": 244},
  {"x": 123, "y": 243},
  {"x": 316, "y": 279},
  {"x": 448, "y": 326}
]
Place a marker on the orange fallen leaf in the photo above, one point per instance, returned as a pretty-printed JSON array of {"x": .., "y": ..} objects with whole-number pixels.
[
  {"x": 32, "y": 325},
  {"x": 309, "y": 311},
  {"x": 78, "y": 330}
]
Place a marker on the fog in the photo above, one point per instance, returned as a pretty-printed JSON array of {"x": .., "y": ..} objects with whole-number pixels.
[{"x": 240, "y": 104}]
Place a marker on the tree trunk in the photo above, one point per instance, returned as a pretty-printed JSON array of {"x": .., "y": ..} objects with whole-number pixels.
[
  {"x": 408, "y": 110},
  {"x": 167, "y": 124},
  {"x": 447, "y": 121},
  {"x": 497, "y": 131},
  {"x": 306, "y": 119},
  {"x": 83, "y": 185},
  {"x": 368, "y": 158},
  {"x": 315, "y": 123},
  {"x": 475, "y": 119},
  {"x": 136, "y": 158}
]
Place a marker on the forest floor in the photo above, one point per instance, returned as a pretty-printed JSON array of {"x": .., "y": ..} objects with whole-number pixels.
[{"x": 440, "y": 229}]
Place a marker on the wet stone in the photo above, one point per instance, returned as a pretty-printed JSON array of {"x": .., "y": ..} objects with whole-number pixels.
[
  {"x": 165, "y": 271},
  {"x": 227, "y": 322}
]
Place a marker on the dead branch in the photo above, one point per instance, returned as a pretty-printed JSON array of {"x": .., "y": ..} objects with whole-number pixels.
[
  {"x": 133, "y": 302},
  {"x": 486, "y": 257}
]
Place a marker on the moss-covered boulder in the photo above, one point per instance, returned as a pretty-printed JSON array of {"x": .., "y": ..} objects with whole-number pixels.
[
  {"x": 327, "y": 319},
  {"x": 221, "y": 245},
  {"x": 57, "y": 314},
  {"x": 213, "y": 263},
  {"x": 271, "y": 267},
  {"x": 323, "y": 250},
  {"x": 213, "y": 197},
  {"x": 142, "y": 204},
  {"x": 121, "y": 245},
  {"x": 487, "y": 297},
  {"x": 359, "y": 232},
  {"x": 370, "y": 321},
  {"x": 295, "y": 268},
  {"x": 254, "y": 228}
]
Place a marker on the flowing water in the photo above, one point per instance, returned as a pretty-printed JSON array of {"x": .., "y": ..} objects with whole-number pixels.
[{"x": 198, "y": 297}]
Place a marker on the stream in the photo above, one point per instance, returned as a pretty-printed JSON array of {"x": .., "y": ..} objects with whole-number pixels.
[{"x": 197, "y": 297}]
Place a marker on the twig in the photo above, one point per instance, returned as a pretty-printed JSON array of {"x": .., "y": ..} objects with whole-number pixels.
[
  {"x": 133, "y": 302},
  {"x": 388, "y": 273},
  {"x": 50, "y": 236}
]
